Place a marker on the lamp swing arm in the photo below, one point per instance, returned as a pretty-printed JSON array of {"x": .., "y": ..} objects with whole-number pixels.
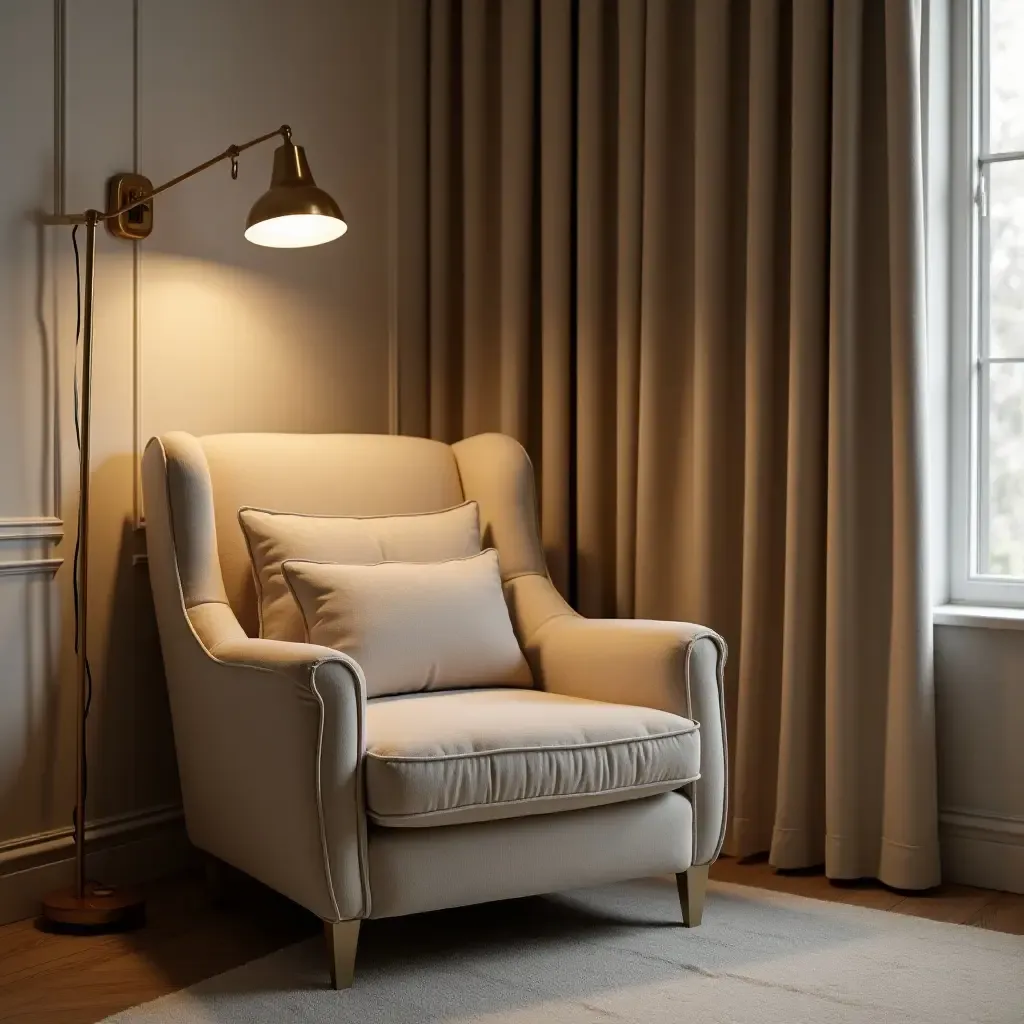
[{"x": 231, "y": 153}]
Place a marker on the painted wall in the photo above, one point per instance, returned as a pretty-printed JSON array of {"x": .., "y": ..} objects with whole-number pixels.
[{"x": 196, "y": 329}]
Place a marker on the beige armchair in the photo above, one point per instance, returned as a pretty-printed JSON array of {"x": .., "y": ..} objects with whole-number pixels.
[{"x": 621, "y": 744}]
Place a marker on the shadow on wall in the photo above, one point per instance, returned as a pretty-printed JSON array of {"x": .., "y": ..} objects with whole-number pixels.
[{"x": 132, "y": 762}]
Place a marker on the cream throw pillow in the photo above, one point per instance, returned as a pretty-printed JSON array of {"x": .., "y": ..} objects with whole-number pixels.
[
  {"x": 273, "y": 537},
  {"x": 413, "y": 627}
]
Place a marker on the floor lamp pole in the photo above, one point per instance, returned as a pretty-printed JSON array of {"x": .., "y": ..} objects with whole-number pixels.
[
  {"x": 87, "y": 904},
  {"x": 83, "y": 562}
]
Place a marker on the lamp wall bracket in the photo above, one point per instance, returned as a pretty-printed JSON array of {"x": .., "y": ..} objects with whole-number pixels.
[{"x": 135, "y": 223}]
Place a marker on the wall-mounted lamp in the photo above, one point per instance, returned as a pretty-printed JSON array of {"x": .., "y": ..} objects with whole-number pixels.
[{"x": 292, "y": 213}]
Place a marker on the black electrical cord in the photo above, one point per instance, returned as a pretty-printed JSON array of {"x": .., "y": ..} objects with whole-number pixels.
[{"x": 78, "y": 532}]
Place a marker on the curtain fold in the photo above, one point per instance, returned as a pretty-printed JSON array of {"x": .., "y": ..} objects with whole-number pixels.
[{"x": 677, "y": 250}]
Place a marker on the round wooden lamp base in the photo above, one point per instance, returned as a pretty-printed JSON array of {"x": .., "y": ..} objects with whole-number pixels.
[{"x": 100, "y": 908}]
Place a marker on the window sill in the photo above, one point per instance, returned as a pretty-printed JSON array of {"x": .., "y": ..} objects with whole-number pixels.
[{"x": 978, "y": 616}]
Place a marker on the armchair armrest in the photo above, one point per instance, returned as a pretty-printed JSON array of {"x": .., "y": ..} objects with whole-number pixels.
[
  {"x": 270, "y": 739},
  {"x": 673, "y": 666},
  {"x": 269, "y": 735}
]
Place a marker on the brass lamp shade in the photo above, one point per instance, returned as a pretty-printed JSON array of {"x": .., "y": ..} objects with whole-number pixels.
[{"x": 293, "y": 212}]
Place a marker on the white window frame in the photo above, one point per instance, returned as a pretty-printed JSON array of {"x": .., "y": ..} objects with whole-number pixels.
[{"x": 969, "y": 180}]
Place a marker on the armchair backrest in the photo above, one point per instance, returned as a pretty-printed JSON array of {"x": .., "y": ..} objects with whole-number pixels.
[{"x": 204, "y": 481}]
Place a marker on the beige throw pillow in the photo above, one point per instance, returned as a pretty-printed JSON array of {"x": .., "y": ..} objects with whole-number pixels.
[
  {"x": 273, "y": 537},
  {"x": 413, "y": 627}
]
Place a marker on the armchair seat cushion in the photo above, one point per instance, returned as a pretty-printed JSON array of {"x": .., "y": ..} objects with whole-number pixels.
[{"x": 478, "y": 755}]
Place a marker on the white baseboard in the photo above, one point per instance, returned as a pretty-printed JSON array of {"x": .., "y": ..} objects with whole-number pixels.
[
  {"x": 127, "y": 848},
  {"x": 986, "y": 850}
]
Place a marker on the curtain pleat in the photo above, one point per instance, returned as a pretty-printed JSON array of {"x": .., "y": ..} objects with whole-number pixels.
[
  {"x": 798, "y": 835},
  {"x": 677, "y": 250},
  {"x": 552, "y": 213}
]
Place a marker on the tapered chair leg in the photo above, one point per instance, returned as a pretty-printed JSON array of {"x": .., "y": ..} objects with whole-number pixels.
[
  {"x": 693, "y": 884},
  {"x": 342, "y": 939}
]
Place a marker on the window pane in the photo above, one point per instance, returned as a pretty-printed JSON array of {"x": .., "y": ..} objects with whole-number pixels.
[
  {"x": 1005, "y": 471},
  {"x": 1006, "y": 258},
  {"x": 1006, "y": 75}
]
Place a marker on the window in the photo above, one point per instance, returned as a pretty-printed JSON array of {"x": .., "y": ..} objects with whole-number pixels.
[{"x": 988, "y": 338}]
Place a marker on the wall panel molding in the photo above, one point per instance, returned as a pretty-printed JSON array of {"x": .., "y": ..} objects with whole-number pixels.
[
  {"x": 60, "y": 175},
  {"x": 49, "y": 528},
  {"x": 31, "y": 567}
]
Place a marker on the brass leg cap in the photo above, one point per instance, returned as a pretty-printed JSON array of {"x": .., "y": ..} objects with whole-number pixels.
[{"x": 100, "y": 908}]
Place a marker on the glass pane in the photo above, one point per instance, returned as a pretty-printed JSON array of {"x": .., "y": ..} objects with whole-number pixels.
[
  {"x": 1005, "y": 471},
  {"x": 1006, "y": 258},
  {"x": 1006, "y": 75}
]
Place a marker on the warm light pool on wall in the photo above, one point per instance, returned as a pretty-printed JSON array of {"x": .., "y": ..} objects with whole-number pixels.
[{"x": 291, "y": 214}]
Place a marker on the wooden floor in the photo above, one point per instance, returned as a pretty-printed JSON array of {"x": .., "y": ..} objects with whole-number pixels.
[{"x": 54, "y": 979}]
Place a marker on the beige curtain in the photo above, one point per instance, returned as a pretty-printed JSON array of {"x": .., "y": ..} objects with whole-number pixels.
[{"x": 675, "y": 247}]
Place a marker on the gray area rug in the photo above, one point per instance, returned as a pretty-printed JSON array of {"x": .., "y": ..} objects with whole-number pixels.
[{"x": 618, "y": 953}]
